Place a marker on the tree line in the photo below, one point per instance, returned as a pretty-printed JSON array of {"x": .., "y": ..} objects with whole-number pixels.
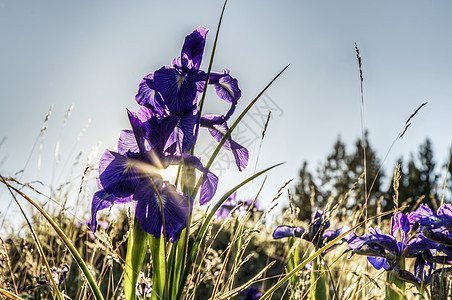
[{"x": 420, "y": 181}]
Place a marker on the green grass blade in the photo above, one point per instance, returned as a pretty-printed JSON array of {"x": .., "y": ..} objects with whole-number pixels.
[
  {"x": 9, "y": 295},
  {"x": 239, "y": 118},
  {"x": 157, "y": 247},
  {"x": 201, "y": 102},
  {"x": 181, "y": 254},
  {"x": 81, "y": 263},
  {"x": 234, "y": 125},
  {"x": 136, "y": 251},
  {"x": 205, "y": 224},
  {"x": 38, "y": 245},
  {"x": 318, "y": 282}
]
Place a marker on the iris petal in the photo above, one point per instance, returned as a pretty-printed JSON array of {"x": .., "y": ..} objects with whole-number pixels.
[
  {"x": 159, "y": 135},
  {"x": 118, "y": 174},
  {"x": 400, "y": 224},
  {"x": 140, "y": 130},
  {"x": 332, "y": 234},
  {"x": 419, "y": 244},
  {"x": 227, "y": 87},
  {"x": 101, "y": 200},
  {"x": 209, "y": 180},
  {"x": 218, "y": 128},
  {"x": 378, "y": 262},
  {"x": 175, "y": 207},
  {"x": 186, "y": 132},
  {"x": 179, "y": 91},
  {"x": 147, "y": 95},
  {"x": 209, "y": 186},
  {"x": 127, "y": 143},
  {"x": 283, "y": 231},
  {"x": 147, "y": 209},
  {"x": 193, "y": 48}
]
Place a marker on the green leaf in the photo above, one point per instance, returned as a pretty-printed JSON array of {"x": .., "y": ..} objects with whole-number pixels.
[
  {"x": 395, "y": 287},
  {"x": 157, "y": 247},
  {"x": 136, "y": 251},
  {"x": 318, "y": 282}
]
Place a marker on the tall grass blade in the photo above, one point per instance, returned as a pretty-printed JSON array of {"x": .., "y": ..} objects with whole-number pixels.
[
  {"x": 157, "y": 247},
  {"x": 236, "y": 291},
  {"x": 205, "y": 224},
  {"x": 318, "y": 283},
  {"x": 201, "y": 102},
  {"x": 38, "y": 245},
  {"x": 234, "y": 125},
  {"x": 9, "y": 295},
  {"x": 136, "y": 251},
  {"x": 79, "y": 260}
]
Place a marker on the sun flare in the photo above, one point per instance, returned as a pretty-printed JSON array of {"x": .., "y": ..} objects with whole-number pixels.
[{"x": 169, "y": 174}]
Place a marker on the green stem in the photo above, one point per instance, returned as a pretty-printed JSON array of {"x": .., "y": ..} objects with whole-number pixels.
[
  {"x": 318, "y": 283},
  {"x": 395, "y": 288},
  {"x": 136, "y": 251},
  {"x": 164, "y": 238}
]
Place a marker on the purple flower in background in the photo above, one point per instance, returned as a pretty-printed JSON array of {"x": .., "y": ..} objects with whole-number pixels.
[
  {"x": 315, "y": 234},
  {"x": 438, "y": 222},
  {"x": 385, "y": 250},
  {"x": 232, "y": 204},
  {"x": 59, "y": 275},
  {"x": 225, "y": 209},
  {"x": 173, "y": 91},
  {"x": 251, "y": 293},
  {"x": 246, "y": 205},
  {"x": 131, "y": 174},
  {"x": 436, "y": 227}
]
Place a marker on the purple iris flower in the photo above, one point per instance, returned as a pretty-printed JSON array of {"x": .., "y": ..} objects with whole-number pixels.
[
  {"x": 59, "y": 276},
  {"x": 132, "y": 174},
  {"x": 436, "y": 226},
  {"x": 246, "y": 205},
  {"x": 251, "y": 293},
  {"x": 383, "y": 250},
  {"x": 232, "y": 203},
  {"x": 315, "y": 234},
  {"x": 437, "y": 222},
  {"x": 225, "y": 209},
  {"x": 174, "y": 90}
]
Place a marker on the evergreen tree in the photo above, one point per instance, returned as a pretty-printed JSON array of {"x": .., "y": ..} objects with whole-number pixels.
[
  {"x": 427, "y": 175},
  {"x": 373, "y": 177},
  {"x": 419, "y": 180},
  {"x": 334, "y": 175},
  {"x": 303, "y": 192}
]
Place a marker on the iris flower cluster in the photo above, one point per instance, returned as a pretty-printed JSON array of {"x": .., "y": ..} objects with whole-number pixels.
[
  {"x": 427, "y": 246},
  {"x": 163, "y": 130},
  {"x": 315, "y": 234}
]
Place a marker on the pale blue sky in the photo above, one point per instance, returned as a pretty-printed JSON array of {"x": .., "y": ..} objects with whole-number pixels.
[{"x": 94, "y": 54}]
